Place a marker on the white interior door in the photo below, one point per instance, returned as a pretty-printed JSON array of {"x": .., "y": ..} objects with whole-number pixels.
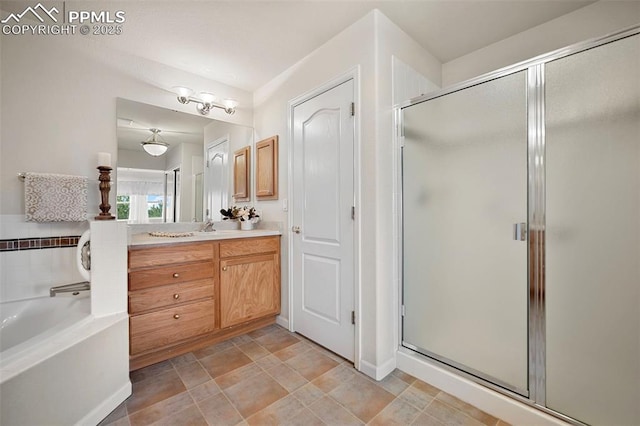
[
  {"x": 217, "y": 178},
  {"x": 323, "y": 225}
]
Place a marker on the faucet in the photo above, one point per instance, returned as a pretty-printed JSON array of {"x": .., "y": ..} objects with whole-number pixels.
[
  {"x": 207, "y": 226},
  {"x": 77, "y": 289}
]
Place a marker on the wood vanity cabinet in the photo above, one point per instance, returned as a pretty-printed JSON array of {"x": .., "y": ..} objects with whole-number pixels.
[
  {"x": 249, "y": 280},
  {"x": 185, "y": 296}
]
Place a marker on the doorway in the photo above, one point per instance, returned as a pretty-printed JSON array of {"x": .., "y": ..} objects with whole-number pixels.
[{"x": 323, "y": 218}]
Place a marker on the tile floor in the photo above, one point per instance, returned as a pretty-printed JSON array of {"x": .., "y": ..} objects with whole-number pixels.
[{"x": 273, "y": 377}]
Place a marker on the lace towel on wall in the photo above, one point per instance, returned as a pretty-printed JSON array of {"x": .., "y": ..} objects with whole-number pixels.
[{"x": 51, "y": 197}]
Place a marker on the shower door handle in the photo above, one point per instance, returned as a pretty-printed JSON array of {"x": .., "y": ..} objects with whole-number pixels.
[{"x": 520, "y": 231}]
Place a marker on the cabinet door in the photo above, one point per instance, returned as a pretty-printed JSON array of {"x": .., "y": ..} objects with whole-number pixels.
[{"x": 249, "y": 288}]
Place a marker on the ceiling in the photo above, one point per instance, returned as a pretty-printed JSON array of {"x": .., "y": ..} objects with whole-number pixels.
[
  {"x": 135, "y": 119},
  {"x": 247, "y": 43}
]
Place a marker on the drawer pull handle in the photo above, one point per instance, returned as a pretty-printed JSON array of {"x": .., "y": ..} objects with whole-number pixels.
[
  {"x": 224, "y": 268},
  {"x": 176, "y": 275},
  {"x": 176, "y": 316},
  {"x": 176, "y": 296}
]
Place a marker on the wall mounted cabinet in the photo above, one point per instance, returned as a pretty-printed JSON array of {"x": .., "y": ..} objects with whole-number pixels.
[{"x": 267, "y": 169}]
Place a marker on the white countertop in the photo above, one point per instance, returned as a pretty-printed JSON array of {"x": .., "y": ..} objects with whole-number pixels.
[{"x": 143, "y": 239}]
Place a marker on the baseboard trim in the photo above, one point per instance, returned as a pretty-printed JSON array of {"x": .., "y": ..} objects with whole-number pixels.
[
  {"x": 378, "y": 372},
  {"x": 282, "y": 322},
  {"x": 487, "y": 400},
  {"x": 107, "y": 406}
]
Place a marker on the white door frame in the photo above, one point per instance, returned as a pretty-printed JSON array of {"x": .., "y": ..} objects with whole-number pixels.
[{"x": 352, "y": 74}]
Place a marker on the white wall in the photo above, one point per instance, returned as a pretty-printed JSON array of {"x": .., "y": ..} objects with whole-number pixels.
[
  {"x": 58, "y": 110},
  {"x": 591, "y": 21},
  {"x": 367, "y": 45},
  {"x": 58, "y": 106}
]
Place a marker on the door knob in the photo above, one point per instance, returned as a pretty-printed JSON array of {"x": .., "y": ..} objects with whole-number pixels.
[{"x": 295, "y": 229}]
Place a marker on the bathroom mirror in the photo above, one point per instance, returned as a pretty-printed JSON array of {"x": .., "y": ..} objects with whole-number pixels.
[{"x": 190, "y": 181}]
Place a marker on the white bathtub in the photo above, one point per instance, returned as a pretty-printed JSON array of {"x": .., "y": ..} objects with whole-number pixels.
[
  {"x": 60, "y": 365},
  {"x": 38, "y": 319}
]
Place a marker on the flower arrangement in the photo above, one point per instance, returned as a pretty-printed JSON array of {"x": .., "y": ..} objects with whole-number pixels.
[{"x": 244, "y": 214}]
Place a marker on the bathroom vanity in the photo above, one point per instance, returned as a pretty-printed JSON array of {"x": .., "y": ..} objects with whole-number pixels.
[{"x": 187, "y": 293}]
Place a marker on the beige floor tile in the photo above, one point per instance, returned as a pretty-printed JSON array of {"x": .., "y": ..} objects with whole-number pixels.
[
  {"x": 150, "y": 371},
  {"x": 468, "y": 409},
  {"x": 154, "y": 389},
  {"x": 308, "y": 394},
  {"x": 292, "y": 350},
  {"x": 311, "y": 364},
  {"x": 277, "y": 413},
  {"x": 213, "y": 349},
  {"x": 192, "y": 374},
  {"x": 416, "y": 397},
  {"x": 272, "y": 376},
  {"x": 238, "y": 375},
  {"x": 426, "y": 420},
  {"x": 362, "y": 397},
  {"x": 449, "y": 415},
  {"x": 407, "y": 378},
  {"x": 161, "y": 410},
  {"x": 274, "y": 342},
  {"x": 426, "y": 388},
  {"x": 268, "y": 361},
  {"x": 397, "y": 413},
  {"x": 217, "y": 410},
  {"x": 287, "y": 377},
  {"x": 305, "y": 417},
  {"x": 253, "y": 350},
  {"x": 334, "y": 377},
  {"x": 255, "y": 393},
  {"x": 332, "y": 413},
  {"x": 224, "y": 362},
  {"x": 183, "y": 359},
  {"x": 190, "y": 416},
  {"x": 205, "y": 390},
  {"x": 393, "y": 384}
]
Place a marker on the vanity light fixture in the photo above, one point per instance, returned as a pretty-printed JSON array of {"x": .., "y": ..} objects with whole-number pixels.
[
  {"x": 153, "y": 146},
  {"x": 205, "y": 102}
]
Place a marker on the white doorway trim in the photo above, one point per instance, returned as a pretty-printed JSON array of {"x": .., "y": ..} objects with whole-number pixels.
[{"x": 352, "y": 74}]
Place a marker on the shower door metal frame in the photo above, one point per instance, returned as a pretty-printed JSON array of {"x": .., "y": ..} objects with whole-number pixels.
[{"x": 535, "y": 94}]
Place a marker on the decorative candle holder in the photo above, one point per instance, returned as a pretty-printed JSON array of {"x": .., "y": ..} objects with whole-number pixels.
[{"x": 105, "y": 187}]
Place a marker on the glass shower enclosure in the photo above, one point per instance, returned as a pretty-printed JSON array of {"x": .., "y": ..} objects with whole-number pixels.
[{"x": 521, "y": 230}]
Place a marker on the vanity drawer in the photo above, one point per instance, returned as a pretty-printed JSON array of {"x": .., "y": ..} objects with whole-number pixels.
[
  {"x": 170, "y": 275},
  {"x": 169, "y": 295},
  {"x": 170, "y": 254},
  {"x": 249, "y": 246},
  {"x": 165, "y": 327}
]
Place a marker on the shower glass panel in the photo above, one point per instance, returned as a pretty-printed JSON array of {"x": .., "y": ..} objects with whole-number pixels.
[
  {"x": 593, "y": 234},
  {"x": 465, "y": 291}
]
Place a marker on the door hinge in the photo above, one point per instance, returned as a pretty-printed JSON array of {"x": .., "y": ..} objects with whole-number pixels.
[
  {"x": 402, "y": 310},
  {"x": 353, "y": 109},
  {"x": 353, "y": 212},
  {"x": 353, "y": 317}
]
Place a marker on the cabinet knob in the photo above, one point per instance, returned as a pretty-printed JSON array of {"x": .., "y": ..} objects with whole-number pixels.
[
  {"x": 176, "y": 275},
  {"x": 176, "y": 296},
  {"x": 176, "y": 316},
  {"x": 224, "y": 268}
]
